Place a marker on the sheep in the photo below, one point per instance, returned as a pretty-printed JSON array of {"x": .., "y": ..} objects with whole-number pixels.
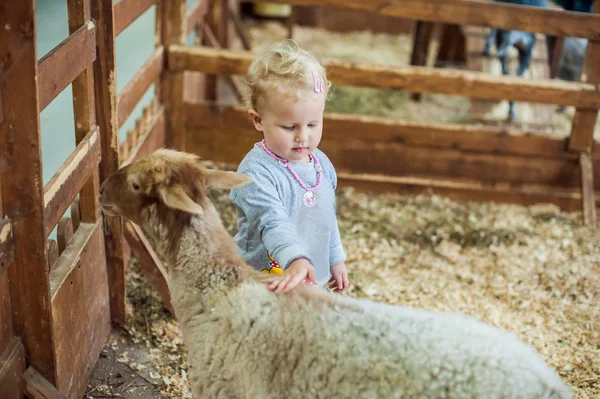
[{"x": 244, "y": 341}]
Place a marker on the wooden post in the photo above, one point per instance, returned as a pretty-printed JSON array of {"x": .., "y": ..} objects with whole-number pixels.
[
  {"x": 83, "y": 110},
  {"x": 23, "y": 191},
  {"x": 422, "y": 38},
  {"x": 106, "y": 113},
  {"x": 173, "y": 32},
  {"x": 582, "y": 131},
  {"x": 210, "y": 86}
]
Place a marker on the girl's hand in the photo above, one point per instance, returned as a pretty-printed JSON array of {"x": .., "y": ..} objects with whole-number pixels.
[
  {"x": 339, "y": 278},
  {"x": 298, "y": 271}
]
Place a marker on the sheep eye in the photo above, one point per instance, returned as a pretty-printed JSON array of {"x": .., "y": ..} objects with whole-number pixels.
[{"x": 135, "y": 186}]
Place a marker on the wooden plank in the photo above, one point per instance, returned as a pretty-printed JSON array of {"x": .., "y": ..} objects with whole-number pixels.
[
  {"x": 12, "y": 367},
  {"x": 51, "y": 253},
  {"x": 466, "y": 138},
  {"x": 152, "y": 139},
  {"x": 150, "y": 263},
  {"x": 584, "y": 122},
  {"x": 7, "y": 244},
  {"x": 210, "y": 80},
  {"x": 412, "y": 79},
  {"x": 70, "y": 257},
  {"x": 462, "y": 191},
  {"x": 141, "y": 82},
  {"x": 587, "y": 189},
  {"x": 79, "y": 13},
  {"x": 68, "y": 181},
  {"x": 37, "y": 387},
  {"x": 242, "y": 32},
  {"x": 6, "y": 326},
  {"x": 127, "y": 11},
  {"x": 69, "y": 316},
  {"x": 421, "y": 40},
  {"x": 214, "y": 42},
  {"x": 196, "y": 15},
  {"x": 106, "y": 114},
  {"x": 401, "y": 159},
  {"x": 65, "y": 62},
  {"x": 174, "y": 18},
  {"x": 473, "y": 12},
  {"x": 22, "y": 190},
  {"x": 96, "y": 298},
  {"x": 64, "y": 233}
]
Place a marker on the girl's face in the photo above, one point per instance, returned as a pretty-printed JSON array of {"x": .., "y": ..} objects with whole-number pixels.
[{"x": 292, "y": 126}]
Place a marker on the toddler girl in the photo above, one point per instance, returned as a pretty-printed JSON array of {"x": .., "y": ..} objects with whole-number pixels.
[{"x": 286, "y": 217}]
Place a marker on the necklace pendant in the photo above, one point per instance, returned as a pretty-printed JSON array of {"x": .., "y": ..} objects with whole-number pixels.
[{"x": 309, "y": 199}]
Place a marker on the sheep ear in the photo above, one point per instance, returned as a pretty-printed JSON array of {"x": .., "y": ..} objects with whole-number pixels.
[
  {"x": 175, "y": 197},
  {"x": 221, "y": 180}
]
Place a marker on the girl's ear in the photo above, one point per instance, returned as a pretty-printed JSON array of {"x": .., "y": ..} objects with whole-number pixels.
[{"x": 256, "y": 120}]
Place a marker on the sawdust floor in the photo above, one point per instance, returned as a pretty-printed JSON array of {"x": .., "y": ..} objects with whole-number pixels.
[{"x": 533, "y": 270}]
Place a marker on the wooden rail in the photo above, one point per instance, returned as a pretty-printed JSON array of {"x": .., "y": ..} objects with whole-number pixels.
[
  {"x": 70, "y": 178},
  {"x": 196, "y": 15},
  {"x": 474, "y": 12},
  {"x": 64, "y": 63},
  {"x": 391, "y": 150},
  {"x": 127, "y": 11},
  {"x": 141, "y": 82},
  {"x": 468, "y": 138},
  {"x": 412, "y": 79}
]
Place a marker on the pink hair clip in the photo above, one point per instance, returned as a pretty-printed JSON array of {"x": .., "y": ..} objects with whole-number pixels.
[{"x": 319, "y": 88}]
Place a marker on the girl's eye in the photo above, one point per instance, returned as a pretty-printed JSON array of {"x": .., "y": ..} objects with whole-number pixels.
[
  {"x": 288, "y": 127},
  {"x": 135, "y": 186}
]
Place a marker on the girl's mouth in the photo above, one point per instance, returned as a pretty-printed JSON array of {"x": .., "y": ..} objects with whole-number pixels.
[{"x": 300, "y": 149}]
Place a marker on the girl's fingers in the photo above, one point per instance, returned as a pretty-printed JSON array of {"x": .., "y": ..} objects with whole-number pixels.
[{"x": 346, "y": 281}]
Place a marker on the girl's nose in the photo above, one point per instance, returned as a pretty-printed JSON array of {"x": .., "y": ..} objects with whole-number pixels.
[{"x": 301, "y": 136}]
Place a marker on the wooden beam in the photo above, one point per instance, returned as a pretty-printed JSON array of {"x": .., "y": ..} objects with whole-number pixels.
[
  {"x": 127, "y": 11},
  {"x": 12, "y": 367},
  {"x": 474, "y": 12},
  {"x": 214, "y": 42},
  {"x": 70, "y": 257},
  {"x": 150, "y": 263},
  {"x": 22, "y": 188},
  {"x": 65, "y": 62},
  {"x": 141, "y": 82},
  {"x": 466, "y": 138},
  {"x": 587, "y": 189},
  {"x": 412, "y": 79},
  {"x": 196, "y": 15},
  {"x": 173, "y": 31},
  {"x": 37, "y": 387},
  {"x": 421, "y": 40},
  {"x": 459, "y": 190},
  {"x": 584, "y": 122},
  {"x": 68, "y": 181},
  {"x": 151, "y": 140},
  {"x": 242, "y": 32},
  {"x": 7, "y": 244},
  {"x": 84, "y": 114},
  {"x": 365, "y": 152},
  {"x": 106, "y": 113}
]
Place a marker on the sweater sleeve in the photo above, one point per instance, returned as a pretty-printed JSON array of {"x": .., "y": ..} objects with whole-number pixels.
[
  {"x": 264, "y": 210},
  {"x": 336, "y": 249}
]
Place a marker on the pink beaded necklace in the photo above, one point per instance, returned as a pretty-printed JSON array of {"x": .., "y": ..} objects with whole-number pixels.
[{"x": 309, "y": 196}]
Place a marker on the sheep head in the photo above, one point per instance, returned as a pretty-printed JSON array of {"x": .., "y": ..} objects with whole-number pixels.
[{"x": 169, "y": 179}]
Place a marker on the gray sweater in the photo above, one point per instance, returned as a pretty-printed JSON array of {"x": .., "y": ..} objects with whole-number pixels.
[{"x": 272, "y": 219}]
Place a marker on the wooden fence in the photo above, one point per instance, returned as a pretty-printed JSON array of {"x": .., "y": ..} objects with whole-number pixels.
[
  {"x": 57, "y": 297},
  {"x": 461, "y": 161}
]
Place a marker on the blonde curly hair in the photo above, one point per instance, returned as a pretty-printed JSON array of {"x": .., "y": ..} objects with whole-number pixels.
[{"x": 286, "y": 67}]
